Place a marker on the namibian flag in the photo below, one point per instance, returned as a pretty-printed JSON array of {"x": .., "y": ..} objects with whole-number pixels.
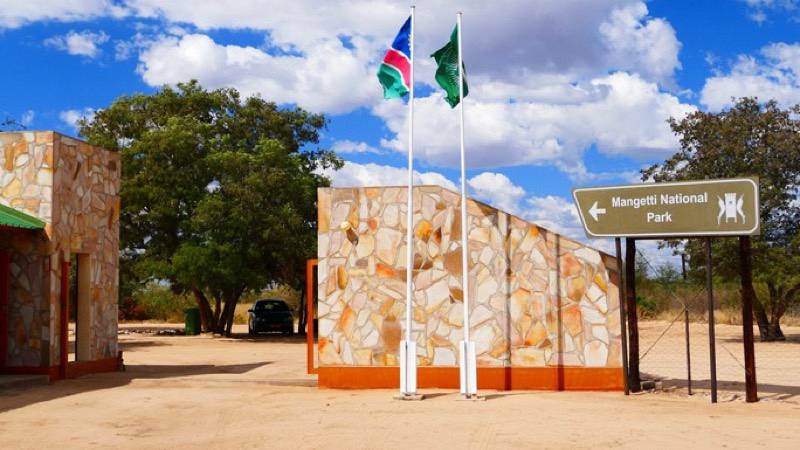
[{"x": 395, "y": 71}]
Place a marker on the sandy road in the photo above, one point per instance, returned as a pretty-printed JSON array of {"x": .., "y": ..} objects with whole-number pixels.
[{"x": 223, "y": 393}]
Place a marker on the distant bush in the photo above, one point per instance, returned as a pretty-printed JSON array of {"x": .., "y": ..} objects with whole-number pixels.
[
  {"x": 157, "y": 302},
  {"x": 647, "y": 306}
]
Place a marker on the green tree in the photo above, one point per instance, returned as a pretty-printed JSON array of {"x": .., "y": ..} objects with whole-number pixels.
[
  {"x": 218, "y": 193},
  {"x": 748, "y": 139}
]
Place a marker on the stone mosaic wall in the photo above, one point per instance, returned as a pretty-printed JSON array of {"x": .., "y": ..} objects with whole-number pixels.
[
  {"x": 73, "y": 187},
  {"x": 537, "y": 299}
]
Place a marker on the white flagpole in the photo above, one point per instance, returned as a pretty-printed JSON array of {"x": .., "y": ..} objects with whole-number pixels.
[
  {"x": 467, "y": 350},
  {"x": 408, "y": 358}
]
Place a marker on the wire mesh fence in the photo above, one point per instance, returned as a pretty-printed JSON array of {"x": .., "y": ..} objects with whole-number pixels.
[{"x": 674, "y": 346}]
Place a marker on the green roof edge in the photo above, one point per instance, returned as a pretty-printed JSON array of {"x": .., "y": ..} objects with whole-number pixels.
[{"x": 11, "y": 217}]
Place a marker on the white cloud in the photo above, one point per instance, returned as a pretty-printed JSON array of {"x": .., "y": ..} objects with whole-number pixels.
[
  {"x": 27, "y": 118},
  {"x": 622, "y": 114},
  {"x": 757, "y": 9},
  {"x": 355, "y": 174},
  {"x": 70, "y": 117},
  {"x": 649, "y": 46},
  {"x": 559, "y": 35},
  {"x": 571, "y": 39},
  {"x": 541, "y": 89},
  {"x": 17, "y": 13},
  {"x": 772, "y": 74},
  {"x": 497, "y": 190},
  {"x": 329, "y": 78},
  {"x": 348, "y": 146},
  {"x": 554, "y": 213},
  {"x": 84, "y": 43}
]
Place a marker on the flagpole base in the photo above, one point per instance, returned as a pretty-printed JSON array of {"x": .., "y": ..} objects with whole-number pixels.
[
  {"x": 409, "y": 397},
  {"x": 408, "y": 368},
  {"x": 471, "y": 398},
  {"x": 467, "y": 369}
]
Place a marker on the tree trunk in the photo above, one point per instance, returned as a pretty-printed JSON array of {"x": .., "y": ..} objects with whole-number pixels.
[
  {"x": 761, "y": 319},
  {"x": 231, "y": 315},
  {"x": 634, "y": 378},
  {"x": 217, "y": 311},
  {"x": 776, "y": 302},
  {"x": 207, "y": 322},
  {"x": 768, "y": 330},
  {"x": 223, "y": 319}
]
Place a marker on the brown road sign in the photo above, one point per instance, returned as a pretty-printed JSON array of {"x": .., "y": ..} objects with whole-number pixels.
[{"x": 691, "y": 208}]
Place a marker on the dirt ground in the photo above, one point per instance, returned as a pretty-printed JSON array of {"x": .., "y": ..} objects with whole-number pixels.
[
  {"x": 663, "y": 350},
  {"x": 253, "y": 393}
]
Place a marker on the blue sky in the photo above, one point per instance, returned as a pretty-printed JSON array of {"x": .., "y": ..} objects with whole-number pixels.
[{"x": 564, "y": 93}]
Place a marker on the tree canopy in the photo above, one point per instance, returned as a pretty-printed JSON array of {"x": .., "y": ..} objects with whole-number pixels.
[
  {"x": 748, "y": 139},
  {"x": 218, "y": 192}
]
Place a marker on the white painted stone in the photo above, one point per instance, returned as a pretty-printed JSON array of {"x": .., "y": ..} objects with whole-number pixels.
[
  {"x": 479, "y": 315},
  {"x": 595, "y": 354},
  {"x": 486, "y": 289},
  {"x": 21, "y": 160},
  {"x": 456, "y": 316},
  {"x": 483, "y": 337},
  {"x": 44, "y": 177},
  {"x": 387, "y": 243},
  {"x": 591, "y": 314},
  {"x": 443, "y": 356},
  {"x": 366, "y": 244},
  {"x": 588, "y": 255},
  {"x": 486, "y": 256},
  {"x": 437, "y": 294},
  {"x": 363, "y": 316},
  {"x": 601, "y": 333},
  {"x": 326, "y": 326},
  {"x": 347, "y": 353},
  {"x": 322, "y": 245},
  {"x": 371, "y": 339},
  {"x": 391, "y": 215},
  {"x": 594, "y": 293}
]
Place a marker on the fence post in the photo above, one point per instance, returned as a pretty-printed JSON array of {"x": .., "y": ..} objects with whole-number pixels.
[
  {"x": 688, "y": 352},
  {"x": 751, "y": 389},
  {"x": 712, "y": 350},
  {"x": 634, "y": 378},
  {"x": 622, "y": 327}
]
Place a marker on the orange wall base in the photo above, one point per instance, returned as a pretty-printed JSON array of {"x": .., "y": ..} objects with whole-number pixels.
[
  {"x": 74, "y": 369},
  {"x": 81, "y": 368},
  {"x": 501, "y": 378}
]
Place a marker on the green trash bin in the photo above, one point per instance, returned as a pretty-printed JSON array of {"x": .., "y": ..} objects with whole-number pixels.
[{"x": 192, "y": 322}]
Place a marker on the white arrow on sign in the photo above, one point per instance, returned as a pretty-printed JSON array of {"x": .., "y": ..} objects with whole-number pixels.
[{"x": 595, "y": 211}]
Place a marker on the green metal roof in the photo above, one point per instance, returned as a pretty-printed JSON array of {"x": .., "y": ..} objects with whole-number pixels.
[{"x": 10, "y": 217}]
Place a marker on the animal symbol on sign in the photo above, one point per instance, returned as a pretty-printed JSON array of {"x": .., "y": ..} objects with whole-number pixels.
[{"x": 730, "y": 208}]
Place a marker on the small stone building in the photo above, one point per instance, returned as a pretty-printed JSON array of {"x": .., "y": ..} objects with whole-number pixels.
[
  {"x": 544, "y": 308},
  {"x": 59, "y": 245}
]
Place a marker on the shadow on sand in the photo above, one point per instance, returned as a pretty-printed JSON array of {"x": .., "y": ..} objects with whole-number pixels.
[{"x": 13, "y": 399}]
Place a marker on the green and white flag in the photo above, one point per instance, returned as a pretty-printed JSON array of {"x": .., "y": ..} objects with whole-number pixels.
[{"x": 447, "y": 69}]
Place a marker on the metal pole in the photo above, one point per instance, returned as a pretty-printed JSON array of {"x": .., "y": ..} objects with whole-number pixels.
[
  {"x": 634, "y": 376},
  {"x": 683, "y": 266},
  {"x": 622, "y": 328},
  {"x": 408, "y": 361},
  {"x": 751, "y": 388},
  {"x": 688, "y": 353},
  {"x": 711, "y": 338},
  {"x": 468, "y": 369}
]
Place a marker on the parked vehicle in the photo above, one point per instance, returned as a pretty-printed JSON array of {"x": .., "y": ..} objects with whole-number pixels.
[{"x": 270, "y": 315}]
